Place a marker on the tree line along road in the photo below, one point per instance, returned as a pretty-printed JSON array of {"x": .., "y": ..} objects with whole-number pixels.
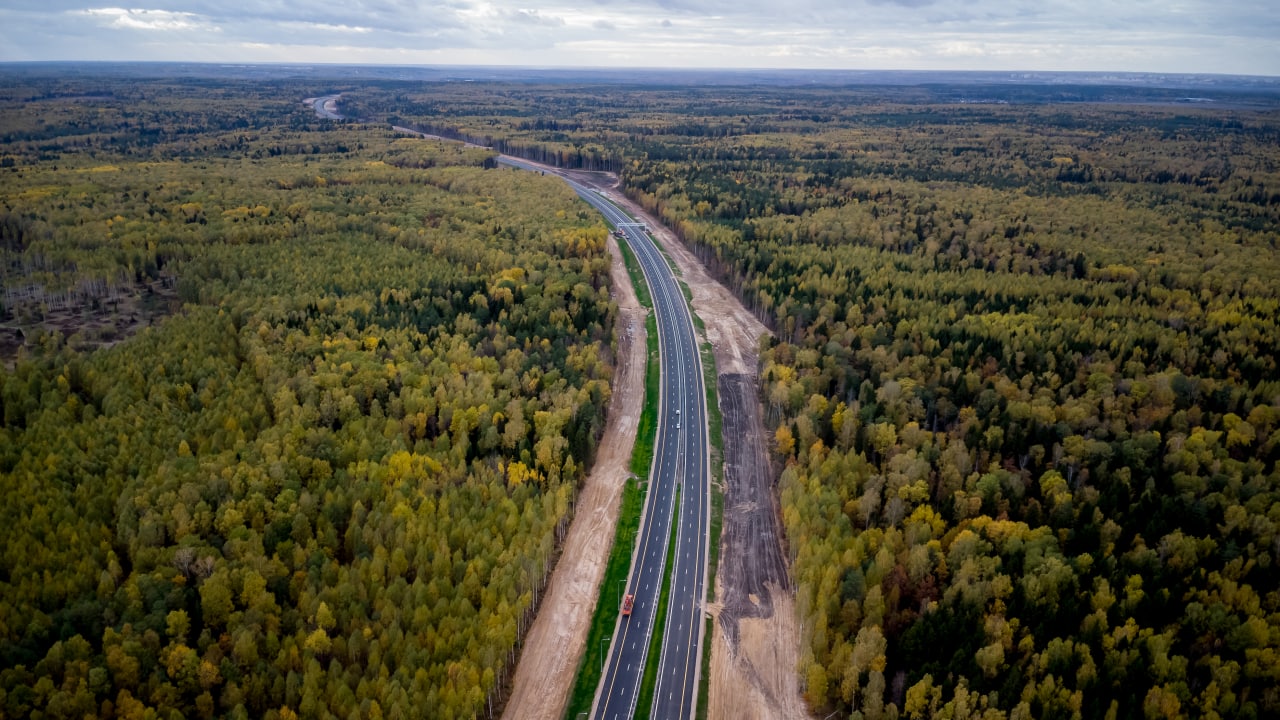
[{"x": 680, "y": 473}]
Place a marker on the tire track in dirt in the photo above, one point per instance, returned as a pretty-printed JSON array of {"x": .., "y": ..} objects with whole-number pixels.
[
  {"x": 748, "y": 565},
  {"x": 755, "y": 646}
]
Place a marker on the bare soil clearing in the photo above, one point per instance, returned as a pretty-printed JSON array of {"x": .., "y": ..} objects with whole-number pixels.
[
  {"x": 756, "y": 679},
  {"x": 87, "y": 324},
  {"x": 549, "y": 660},
  {"x": 755, "y": 646}
]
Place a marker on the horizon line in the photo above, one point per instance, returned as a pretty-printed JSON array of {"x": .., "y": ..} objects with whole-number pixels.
[{"x": 644, "y": 68}]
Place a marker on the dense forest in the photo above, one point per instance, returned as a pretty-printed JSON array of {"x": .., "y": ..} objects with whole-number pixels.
[
  {"x": 1023, "y": 388},
  {"x": 1024, "y": 382},
  {"x": 294, "y": 413},
  {"x": 1025, "y": 391}
]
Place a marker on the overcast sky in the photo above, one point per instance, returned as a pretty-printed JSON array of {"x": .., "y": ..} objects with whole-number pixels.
[{"x": 1223, "y": 36}]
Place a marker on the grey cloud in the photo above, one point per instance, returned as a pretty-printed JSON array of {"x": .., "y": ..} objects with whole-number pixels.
[
  {"x": 1236, "y": 36},
  {"x": 392, "y": 17},
  {"x": 533, "y": 17},
  {"x": 905, "y": 3}
]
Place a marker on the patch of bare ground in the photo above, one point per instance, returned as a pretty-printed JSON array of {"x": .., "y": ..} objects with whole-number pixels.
[
  {"x": 755, "y": 678},
  {"x": 89, "y": 324},
  {"x": 549, "y": 660},
  {"x": 755, "y": 646}
]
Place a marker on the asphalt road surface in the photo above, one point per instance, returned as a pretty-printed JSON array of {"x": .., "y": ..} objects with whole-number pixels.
[
  {"x": 326, "y": 107},
  {"x": 679, "y": 475}
]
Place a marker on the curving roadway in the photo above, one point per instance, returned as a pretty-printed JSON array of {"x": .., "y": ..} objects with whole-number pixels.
[{"x": 679, "y": 475}]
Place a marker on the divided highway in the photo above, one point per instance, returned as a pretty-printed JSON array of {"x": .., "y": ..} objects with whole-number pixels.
[
  {"x": 326, "y": 107},
  {"x": 678, "y": 493}
]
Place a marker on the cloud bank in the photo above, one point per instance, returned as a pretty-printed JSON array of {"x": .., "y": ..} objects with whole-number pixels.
[{"x": 1238, "y": 36}]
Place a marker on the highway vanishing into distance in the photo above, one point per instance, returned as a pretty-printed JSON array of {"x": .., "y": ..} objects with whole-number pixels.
[
  {"x": 677, "y": 500},
  {"x": 677, "y": 494},
  {"x": 325, "y": 107}
]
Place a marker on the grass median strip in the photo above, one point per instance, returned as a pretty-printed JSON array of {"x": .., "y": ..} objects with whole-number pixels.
[
  {"x": 644, "y": 704},
  {"x": 637, "y": 275},
  {"x": 647, "y": 427},
  {"x": 646, "y": 432},
  {"x": 605, "y": 617}
]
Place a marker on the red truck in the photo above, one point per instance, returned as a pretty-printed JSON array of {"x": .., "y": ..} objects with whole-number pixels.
[{"x": 627, "y": 602}]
